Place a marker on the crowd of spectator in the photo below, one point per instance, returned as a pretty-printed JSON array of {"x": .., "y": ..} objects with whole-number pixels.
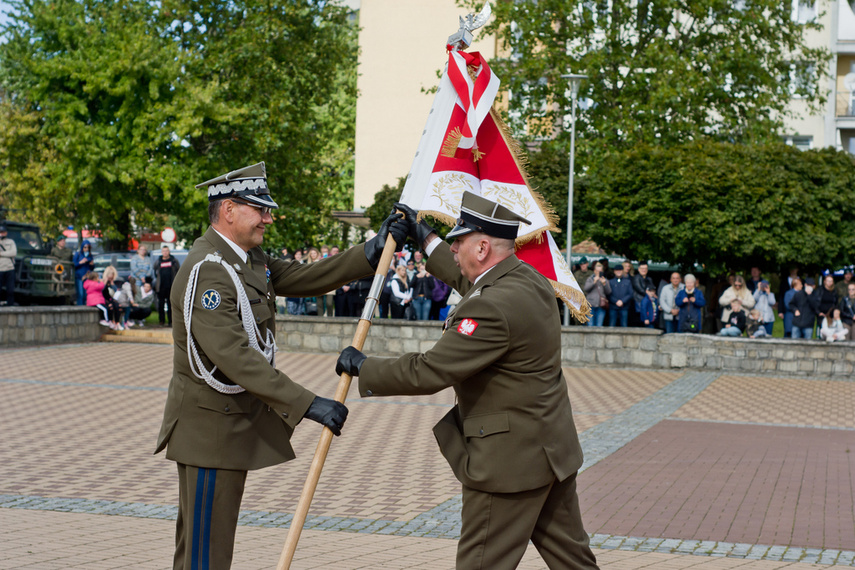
[
  {"x": 409, "y": 291},
  {"x": 734, "y": 306}
]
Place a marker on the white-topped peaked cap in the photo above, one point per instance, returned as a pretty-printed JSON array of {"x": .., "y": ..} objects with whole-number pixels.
[
  {"x": 478, "y": 214},
  {"x": 248, "y": 184}
]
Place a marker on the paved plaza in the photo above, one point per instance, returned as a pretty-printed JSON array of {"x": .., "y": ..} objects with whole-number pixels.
[{"x": 683, "y": 470}]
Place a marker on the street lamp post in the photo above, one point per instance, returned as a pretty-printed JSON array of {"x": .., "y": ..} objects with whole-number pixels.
[{"x": 575, "y": 82}]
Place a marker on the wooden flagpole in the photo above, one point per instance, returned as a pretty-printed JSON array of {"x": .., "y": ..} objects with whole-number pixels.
[{"x": 341, "y": 393}]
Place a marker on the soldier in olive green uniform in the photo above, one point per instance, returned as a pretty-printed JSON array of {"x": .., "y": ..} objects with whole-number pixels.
[
  {"x": 61, "y": 252},
  {"x": 229, "y": 409},
  {"x": 510, "y": 439}
]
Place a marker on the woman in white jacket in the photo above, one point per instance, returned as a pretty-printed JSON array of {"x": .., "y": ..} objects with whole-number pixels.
[
  {"x": 402, "y": 293},
  {"x": 764, "y": 300},
  {"x": 736, "y": 291}
]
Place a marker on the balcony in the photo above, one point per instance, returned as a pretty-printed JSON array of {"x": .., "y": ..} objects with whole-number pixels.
[{"x": 845, "y": 105}]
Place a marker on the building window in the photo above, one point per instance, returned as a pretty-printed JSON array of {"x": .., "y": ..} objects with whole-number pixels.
[
  {"x": 804, "y": 11},
  {"x": 800, "y": 142}
]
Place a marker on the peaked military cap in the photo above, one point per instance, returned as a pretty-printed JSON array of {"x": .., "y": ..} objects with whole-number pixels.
[
  {"x": 478, "y": 214},
  {"x": 248, "y": 184}
]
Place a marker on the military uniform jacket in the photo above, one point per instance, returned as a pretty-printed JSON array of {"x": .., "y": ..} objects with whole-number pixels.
[
  {"x": 249, "y": 430},
  {"x": 512, "y": 429}
]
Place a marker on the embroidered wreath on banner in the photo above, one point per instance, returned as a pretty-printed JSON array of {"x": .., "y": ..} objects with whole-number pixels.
[
  {"x": 511, "y": 199},
  {"x": 561, "y": 263},
  {"x": 448, "y": 190}
]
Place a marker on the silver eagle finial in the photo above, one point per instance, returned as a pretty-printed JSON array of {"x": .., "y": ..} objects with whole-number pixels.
[{"x": 462, "y": 38}]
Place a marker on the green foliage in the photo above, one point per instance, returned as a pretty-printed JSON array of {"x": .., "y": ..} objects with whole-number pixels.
[
  {"x": 114, "y": 109},
  {"x": 384, "y": 201},
  {"x": 663, "y": 72},
  {"x": 726, "y": 206}
]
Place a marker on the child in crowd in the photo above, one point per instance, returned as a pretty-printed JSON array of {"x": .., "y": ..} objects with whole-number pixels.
[
  {"x": 755, "y": 327},
  {"x": 649, "y": 308},
  {"x": 832, "y": 327},
  {"x": 95, "y": 297},
  {"x": 735, "y": 324},
  {"x": 145, "y": 301},
  {"x": 125, "y": 298}
]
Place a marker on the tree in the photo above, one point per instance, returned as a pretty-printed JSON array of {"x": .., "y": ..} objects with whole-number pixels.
[
  {"x": 726, "y": 206},
  {"x": 114, "y": 109},
  {"x": 662, "y": 72}
]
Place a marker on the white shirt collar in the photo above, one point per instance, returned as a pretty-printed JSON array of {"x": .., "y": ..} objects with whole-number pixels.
[{"x": 238, "y": 249}]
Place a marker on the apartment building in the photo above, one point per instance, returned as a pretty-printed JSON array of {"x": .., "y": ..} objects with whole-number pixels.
[{"x": 403, "y": 47}]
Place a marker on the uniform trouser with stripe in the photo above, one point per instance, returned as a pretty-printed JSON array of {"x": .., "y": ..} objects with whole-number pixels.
[
  {"x": 497, "y": 527},
  {"x": 208, "y": 508}
]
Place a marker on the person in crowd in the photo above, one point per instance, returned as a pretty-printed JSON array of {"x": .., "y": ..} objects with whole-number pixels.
[
  {"x": 714, "y": 308},
  {"x": 402, "y": 293},
  {"x": 286, "y": 255},
  {"x": 825, "y": 297},
  {"x": 607, "y": 271},
  {"x": 340, "y": 299},
  {"x": 832, "y": 327},
  {"x": 690, "y": 303},
  {"x": 334, "y": 250},
  {"x": 310, "y": 304},
  {"x": 83, "y": 264},
  {"x": 60, "y": 251},
  {"x": 418, "y": 257},
  {"x": 649, "y": 308},
  {"x": 126, "y": 298},
  {"x": 298, "y": 256},
  {"x": 735, "y": 324},
  {"x": 583, "y": 272},
  {"x": 141, "y": 266},
  {"x": 422, "y": 283},
  {"x": 328, "y": 309},
  {"x": 640, "y": 282},
  {"x": 439, "y": 298},
  {"x": 620, "y": 298},
  {"x": 754, "y": 326},
  {"x": 165, "y": 269},
  {"x": 411, "y": 269},
  {"x": 8, "y": 251},
  {"x": 627, "y": 269},
  {"x": 358, "y": 295},
  {"x": 386, "y": 294},
  {"x": 111, "y": 297},
  {"x": 842, "y": 286},
  {"x": 786, "y": 312},
  {"x": 764, "y": 301},
  {"x": 736, "y": 291},
  {"x": 296, "y": 305},
  {"x": 754, "y": 280},
  {"x": 668, "y": 303},
  {"x": 847, "y": 310},
  {"x": 145, "y": 302},
  {"x": 804, "y": 313},
  {"x": 95, "y": 298},
  {"x": 597, "y": 289}
]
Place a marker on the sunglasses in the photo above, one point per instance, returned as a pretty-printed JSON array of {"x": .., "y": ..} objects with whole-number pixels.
[{"x": 263, "y": 210}]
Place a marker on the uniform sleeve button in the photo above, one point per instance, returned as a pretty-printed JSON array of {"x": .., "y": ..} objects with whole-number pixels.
[
  {"x": 284, "y": 414},
  {"x": 369, "y": 393},
  {"x": 227, "y": 409}
]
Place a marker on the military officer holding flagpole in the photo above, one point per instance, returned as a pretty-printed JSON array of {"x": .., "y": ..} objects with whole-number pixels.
[
  {"x": 229, "y": 410},
  {"x": 510, "y": 439}
]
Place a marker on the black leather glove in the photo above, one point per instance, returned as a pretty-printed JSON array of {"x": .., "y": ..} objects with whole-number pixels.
[
  {"x": 419, "y": 230},
  {"x": 327, "y": 412},
  {"x": 350, "y": 360},
  {"x": 397, "y": 225}
]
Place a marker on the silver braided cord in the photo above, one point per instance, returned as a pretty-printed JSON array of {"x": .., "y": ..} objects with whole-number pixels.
[{"x": 266, "y": 347}]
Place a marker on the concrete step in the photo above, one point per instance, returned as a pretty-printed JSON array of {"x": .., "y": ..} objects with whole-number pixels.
[{"x": 145, "y": 335}]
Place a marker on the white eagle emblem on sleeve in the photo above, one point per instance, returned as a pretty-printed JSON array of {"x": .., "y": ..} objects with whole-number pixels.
[{"x": 467, "y": 327}]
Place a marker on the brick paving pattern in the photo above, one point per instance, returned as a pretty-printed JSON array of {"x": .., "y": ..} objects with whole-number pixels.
[{"x": 682, "y": 470}]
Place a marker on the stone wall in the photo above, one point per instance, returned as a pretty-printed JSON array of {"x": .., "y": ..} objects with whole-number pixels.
[
  {"x": 32, "y": 326},
  {"x": 596, "y": 347}
]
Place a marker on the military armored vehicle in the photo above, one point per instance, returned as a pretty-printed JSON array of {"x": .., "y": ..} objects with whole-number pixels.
[{"x": 39, "y": 277}]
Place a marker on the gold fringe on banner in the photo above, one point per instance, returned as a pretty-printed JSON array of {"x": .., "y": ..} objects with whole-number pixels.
[
  {"x": 452, "y": 141},
  {"x": 521, "y": 163},
  {"x": 572, "y": 295}
]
